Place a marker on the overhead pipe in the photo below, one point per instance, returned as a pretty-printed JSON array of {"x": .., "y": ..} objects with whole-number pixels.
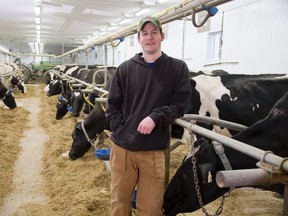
[
  {"x": 180, "y": 8},
  {"x": 188, "y": 12}
]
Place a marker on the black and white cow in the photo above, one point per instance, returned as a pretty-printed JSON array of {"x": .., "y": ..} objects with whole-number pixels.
[
  {"x": 17, "y": 82},
  {"x": 243, "y": 99},
  {"x": 94, "y": 124},
  {"x": 7, "y": 97},
  {"x": 268, "y": 134},
  {"x": 10, "y": 76}
]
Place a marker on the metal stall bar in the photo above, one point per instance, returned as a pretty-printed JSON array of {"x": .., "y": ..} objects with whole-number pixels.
[
  {"x": 251, "y": 151},
  {"x": 249, "y": 177},
  {"x": 81, "y": 82},
  {"x": 214, "y": 121}
]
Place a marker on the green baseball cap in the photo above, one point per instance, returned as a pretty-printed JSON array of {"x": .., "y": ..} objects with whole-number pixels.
[{"x": 153, "y": 20}]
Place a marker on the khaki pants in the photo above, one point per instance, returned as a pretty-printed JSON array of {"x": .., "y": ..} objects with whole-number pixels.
[{"x": 146, "y": 169}]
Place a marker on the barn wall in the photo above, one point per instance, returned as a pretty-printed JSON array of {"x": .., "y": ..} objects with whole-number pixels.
[
  {"x": 254, "y": 40},
  {"x": 254, "y": 37}
]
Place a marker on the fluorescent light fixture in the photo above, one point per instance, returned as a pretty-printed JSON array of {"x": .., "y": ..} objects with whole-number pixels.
[
  {"x": 113, "y": 24},
  {"x": 3, "y": 49},
  {"x": 37, "y": 10},
  {"x": 161, "y": 1},
  {"x": 143, "y": 11},
  {"x": 124, "y": 21},
  {"x": 103, "y": 33},
  {"x": 38, "y": 27},
  {"x": 128, "y": 15},
  {"x": 38, "y": 32},
  {"x": 111, "y": 28},
  {"x": 149, "y": 3},
  {"x": 38, "y": 40},
  {"x": 38, "y": 36},
  {"x": 37, "y": 20}
]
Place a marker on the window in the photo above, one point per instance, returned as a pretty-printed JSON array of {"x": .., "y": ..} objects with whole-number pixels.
[{"x": 214, "y": 46}]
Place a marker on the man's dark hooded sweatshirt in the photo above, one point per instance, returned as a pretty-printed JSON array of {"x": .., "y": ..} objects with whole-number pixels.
[{"x": 161, "y": 91}]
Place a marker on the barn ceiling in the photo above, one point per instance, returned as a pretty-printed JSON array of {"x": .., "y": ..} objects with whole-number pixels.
[{"x": 67, "y": 24}]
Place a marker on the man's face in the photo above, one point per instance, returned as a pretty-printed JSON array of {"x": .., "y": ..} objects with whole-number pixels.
[{"x": 150, "y": 39}]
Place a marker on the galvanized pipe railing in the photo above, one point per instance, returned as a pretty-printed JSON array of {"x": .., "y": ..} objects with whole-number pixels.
[
  {"x": 80, "y": 81},
  {"x": 249, "y": 177},
  {"x": 251, "y": 151},
  {"x": 214, "y": 121}
]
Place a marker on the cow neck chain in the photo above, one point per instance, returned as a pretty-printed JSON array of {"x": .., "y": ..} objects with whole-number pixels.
[
  {"x": 91, "y": 141},
  {"x": 196, "y": 181}
]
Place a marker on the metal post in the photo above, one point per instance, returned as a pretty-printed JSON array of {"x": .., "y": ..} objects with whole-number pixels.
[
  {"x": 86, "y": 51},
  {"x": 167, "y": 160}
]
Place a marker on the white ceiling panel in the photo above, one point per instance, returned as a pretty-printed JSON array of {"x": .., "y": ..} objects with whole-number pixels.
[{"x": 66, "y": 22}]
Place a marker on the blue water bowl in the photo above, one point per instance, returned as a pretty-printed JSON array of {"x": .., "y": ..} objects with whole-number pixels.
[
  {"x": 103, "y": 154},
  {"x": 134, "y": 199}
]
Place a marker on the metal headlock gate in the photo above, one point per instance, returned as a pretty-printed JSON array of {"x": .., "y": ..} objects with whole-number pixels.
[
  {"x": 92, "y": 87},
  {"x": 249, "y": 177}
]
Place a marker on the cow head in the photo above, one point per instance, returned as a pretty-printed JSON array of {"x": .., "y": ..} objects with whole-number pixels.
[
  {"x": 94, "y": 124},
  {"x": 62, "y": 106},
  {"x": 15, "y": 81},
  {"x": 55, "y": 87},
  {"x": 7, "y": 97},
  {"x": 77, "y": 102}
]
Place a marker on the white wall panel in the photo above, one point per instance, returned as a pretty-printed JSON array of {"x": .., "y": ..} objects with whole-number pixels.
[{"x": 255, "y": 37}]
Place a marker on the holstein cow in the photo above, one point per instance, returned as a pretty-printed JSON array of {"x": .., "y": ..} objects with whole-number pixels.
[
  {"x": 86, "y": 132},
  {"x": 10, "y": 75},
  {"x": 243, "y": 99},
  {"x": 7, "y": 97},
  {"x": 268, "y": 134}
]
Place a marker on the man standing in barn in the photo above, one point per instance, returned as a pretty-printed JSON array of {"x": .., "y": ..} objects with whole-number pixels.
[{"x": 147, "y": 93}]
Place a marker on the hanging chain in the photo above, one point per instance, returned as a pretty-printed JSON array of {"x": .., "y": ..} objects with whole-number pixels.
[{"x": 196, "y": 181}]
